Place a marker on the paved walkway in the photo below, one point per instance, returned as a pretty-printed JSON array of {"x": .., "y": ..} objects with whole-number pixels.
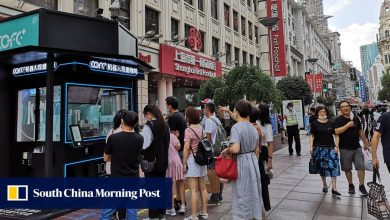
[{"x": 295, "y": 194}]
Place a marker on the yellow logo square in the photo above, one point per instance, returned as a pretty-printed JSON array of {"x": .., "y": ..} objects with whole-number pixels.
[{"x": 17, "y": 193}]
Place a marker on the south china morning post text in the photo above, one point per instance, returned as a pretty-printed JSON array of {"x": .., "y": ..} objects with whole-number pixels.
[{"x": 64, "y": 193}]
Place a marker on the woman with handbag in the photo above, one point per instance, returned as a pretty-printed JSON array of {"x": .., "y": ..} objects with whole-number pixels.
[
  {"x": 194, "y": 172},
  {"x": 156, "y": 144},
  {"x": 266, "y": 150},
  {"x": 323, "y": 149},
  {"x": 246, "y": 189}
]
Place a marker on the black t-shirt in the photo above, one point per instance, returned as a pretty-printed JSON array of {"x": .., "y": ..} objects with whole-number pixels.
[
  {"x": 177, "y": 122},
  {"x": 323, "y": 134},
  {"x": 124, "y": 148},
  {"x": 312, "y": 118},
  {"x": 350, "y": 138},
  {"x": 383, "y": 127}
]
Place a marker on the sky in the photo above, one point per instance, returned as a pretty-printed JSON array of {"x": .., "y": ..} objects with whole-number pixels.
[{"x": 357, "y": 21}]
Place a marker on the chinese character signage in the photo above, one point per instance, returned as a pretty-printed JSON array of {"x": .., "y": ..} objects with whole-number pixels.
[
  {"x": 362, "y": 86},
  {"x": 275, "y": 9},
  {"x": 178, "y": 62},
  {"x": 19, "y": 32},
  {"x": 315, "y": 81}
]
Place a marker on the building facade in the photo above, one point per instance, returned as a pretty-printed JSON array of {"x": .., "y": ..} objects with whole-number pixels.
[
  {"x": 384, "y": 34},
  {"x": 368, "y": 56},
  {"x": 375, "y": 74}
]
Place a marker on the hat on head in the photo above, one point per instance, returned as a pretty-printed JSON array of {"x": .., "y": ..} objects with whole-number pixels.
[{"x": 207, "y": 100}]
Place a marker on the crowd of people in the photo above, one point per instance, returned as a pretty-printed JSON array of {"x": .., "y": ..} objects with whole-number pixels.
[{"x": 167, "y": 147}]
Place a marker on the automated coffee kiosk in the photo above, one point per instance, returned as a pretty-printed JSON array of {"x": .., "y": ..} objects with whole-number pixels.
[{"x": 63, "y": 77}]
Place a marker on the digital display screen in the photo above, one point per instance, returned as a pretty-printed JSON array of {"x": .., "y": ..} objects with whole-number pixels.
[
  {"x": 76, "y": 133},
  {"x": 83, "y": 95}
]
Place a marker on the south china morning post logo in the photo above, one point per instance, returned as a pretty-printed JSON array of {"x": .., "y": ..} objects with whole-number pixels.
[{"x": 17, "y": 193}]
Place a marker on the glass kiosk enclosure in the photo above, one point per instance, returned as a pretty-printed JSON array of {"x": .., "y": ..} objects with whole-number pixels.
[{"x": 64, "y": 77}]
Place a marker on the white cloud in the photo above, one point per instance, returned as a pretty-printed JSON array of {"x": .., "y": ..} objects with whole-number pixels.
[
  {"x": 337, "y": 6},
  {"x": 354, "y": 36}
]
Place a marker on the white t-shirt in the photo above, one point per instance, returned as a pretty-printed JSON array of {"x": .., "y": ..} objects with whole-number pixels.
[
  {"x": 268, "y": 135},
  {"x": 211, "y": 127}
]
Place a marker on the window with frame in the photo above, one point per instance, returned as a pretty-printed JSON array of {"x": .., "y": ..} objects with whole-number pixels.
[
  {"x": 237, "y": 55},
  {"x": 244, "y": 54},
  {"x": 215, "y": 47},
  {"x": 251, "y": 57},
  {"x": 235, "y": 21},
  {"x": 250, "y": 30},
  {"x": 243, "y": 30},
  {"x": 27, "y": 118},
  {"x": 214, "y": 9},
  {"x": 201, "y": 5},
  {"x": 49, "y": 4},
  {"x": 258, "y": 62},
  {"x": 188, "y": 1},
  {"x": 202, "y": 36},
  {"x": 257, "y": 36},
  {"x": 151, "y": 22},
  {"x": 174, "y": 28},
  {"x": 85, "y": 7},
  {"x": 124, "y": 12},
  {"x": 228, "y": 51},
  {"x": 248, "y": 2},
  {"x": 227, "y": 15},
  {"x": 255, "y": 5}
]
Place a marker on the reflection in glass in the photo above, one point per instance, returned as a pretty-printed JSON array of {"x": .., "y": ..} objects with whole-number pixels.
[
  {"x": 56, "y": 114},
  {"x": 94, "y": 108},
  {"x": 26, "y": 117}
]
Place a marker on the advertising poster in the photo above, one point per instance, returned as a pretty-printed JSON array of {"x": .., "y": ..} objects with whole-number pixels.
[
  {"x": 298, "y": 108},
  {"x": 274, "y": 123}
]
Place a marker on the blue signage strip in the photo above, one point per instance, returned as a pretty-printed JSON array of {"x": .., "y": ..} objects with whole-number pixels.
[
  {"x": 85, "y": 193},
  {"x": 274, "y": 124},
  {"x": 362, "y": 87}
]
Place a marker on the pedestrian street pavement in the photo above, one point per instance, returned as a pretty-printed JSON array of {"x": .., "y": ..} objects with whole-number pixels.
[{"x": 295, "y": 194}]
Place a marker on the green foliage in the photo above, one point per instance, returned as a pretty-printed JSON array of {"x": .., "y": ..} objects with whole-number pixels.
[
  {"x": 328, "y": 101},
  {"x": 294, "y": 87},
  {"x": 384, "y": 94},
  {"x": 243, "y": 81},
  {"x": 207, "y": 88}
]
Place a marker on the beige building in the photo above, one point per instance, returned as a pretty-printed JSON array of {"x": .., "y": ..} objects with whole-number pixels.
[{"x": 384, "y": 35}]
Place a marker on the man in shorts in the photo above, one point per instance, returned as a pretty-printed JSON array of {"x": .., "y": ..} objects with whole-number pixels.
[{"x": 348, "y": 130}]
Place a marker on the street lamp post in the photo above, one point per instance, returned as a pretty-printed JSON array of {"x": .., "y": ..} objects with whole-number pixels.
[
  {"x": 313, "y": 62},
  {"x": 268, "y": 22}
]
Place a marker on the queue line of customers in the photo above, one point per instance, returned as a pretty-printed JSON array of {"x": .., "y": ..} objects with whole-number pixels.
[{"x": 172, "y": 150}]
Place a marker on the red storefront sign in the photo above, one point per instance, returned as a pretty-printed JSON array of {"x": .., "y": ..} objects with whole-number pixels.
[
  {"x": 275, "y": 9},
  {"x": 182, "y": 63},
  {"x": 318, "y": 81},
  {"x": 194, "y": 39},
  {"x": 145, "y": 57}
]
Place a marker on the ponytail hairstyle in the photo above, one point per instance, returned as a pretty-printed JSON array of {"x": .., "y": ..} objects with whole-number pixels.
[
  {"x": 155, "y": 111},
  {"x": 117, "y": 118}
]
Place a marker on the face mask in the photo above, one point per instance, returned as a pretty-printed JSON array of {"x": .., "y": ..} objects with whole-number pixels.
[
  {"x": 323, "y": 117},
  {"x": 289, "y": 108}
]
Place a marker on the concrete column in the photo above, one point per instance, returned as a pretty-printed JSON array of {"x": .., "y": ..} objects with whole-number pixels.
[
  {"x": 162, "y": 94},
  {"x": 169, "y": 88}
]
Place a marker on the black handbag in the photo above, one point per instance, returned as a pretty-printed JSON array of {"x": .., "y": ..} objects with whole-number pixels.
[
  {"x": 146, "y": 166},
  {"x": 313, "y": 166}
]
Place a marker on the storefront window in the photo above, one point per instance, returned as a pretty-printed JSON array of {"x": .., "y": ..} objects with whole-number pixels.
[
  {"x": 151, "y": 22},
  {"x": 93, "y": 109},
  {"x": 49, "y": 4},
  {"x": 27, "y": 116},
  {"x": 85, "y": 7}
]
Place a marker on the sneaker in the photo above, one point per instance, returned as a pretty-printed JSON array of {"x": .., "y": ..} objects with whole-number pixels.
[
  {"x": 351, "y": 189},
  {"x": 213, "y": 202},
  {"x": 171, "y": 212},
  {"x": 181, "y": 210},
  {"x": 176, "y": 203},
  {"x": 363, "y": 190},
  {"x": 190, "y": 218},
  {"x": 298, "y": 155},
  {"x": 220, "y": 200},
  {"x": 203, "y": 215}
]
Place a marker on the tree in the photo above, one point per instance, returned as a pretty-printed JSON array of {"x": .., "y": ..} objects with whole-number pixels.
[
  {"x": 328, "y": 101},
  {"x": 207, "y": 88},
  {"x": 384, "y": 94},
  {"x": 294, "y": 87}
]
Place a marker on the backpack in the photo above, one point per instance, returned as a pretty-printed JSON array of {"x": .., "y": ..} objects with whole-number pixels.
[
  {"x": 220, "y": 139},
  {"x": 204, "y": 155}
]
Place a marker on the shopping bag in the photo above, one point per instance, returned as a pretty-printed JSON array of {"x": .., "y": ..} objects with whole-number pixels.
[
  {"x": 226, "y": 168},
  {"x": 368, "y": 160},
  {"x": 212, "y": 182},
  {"x": 377, "y": 203}
]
